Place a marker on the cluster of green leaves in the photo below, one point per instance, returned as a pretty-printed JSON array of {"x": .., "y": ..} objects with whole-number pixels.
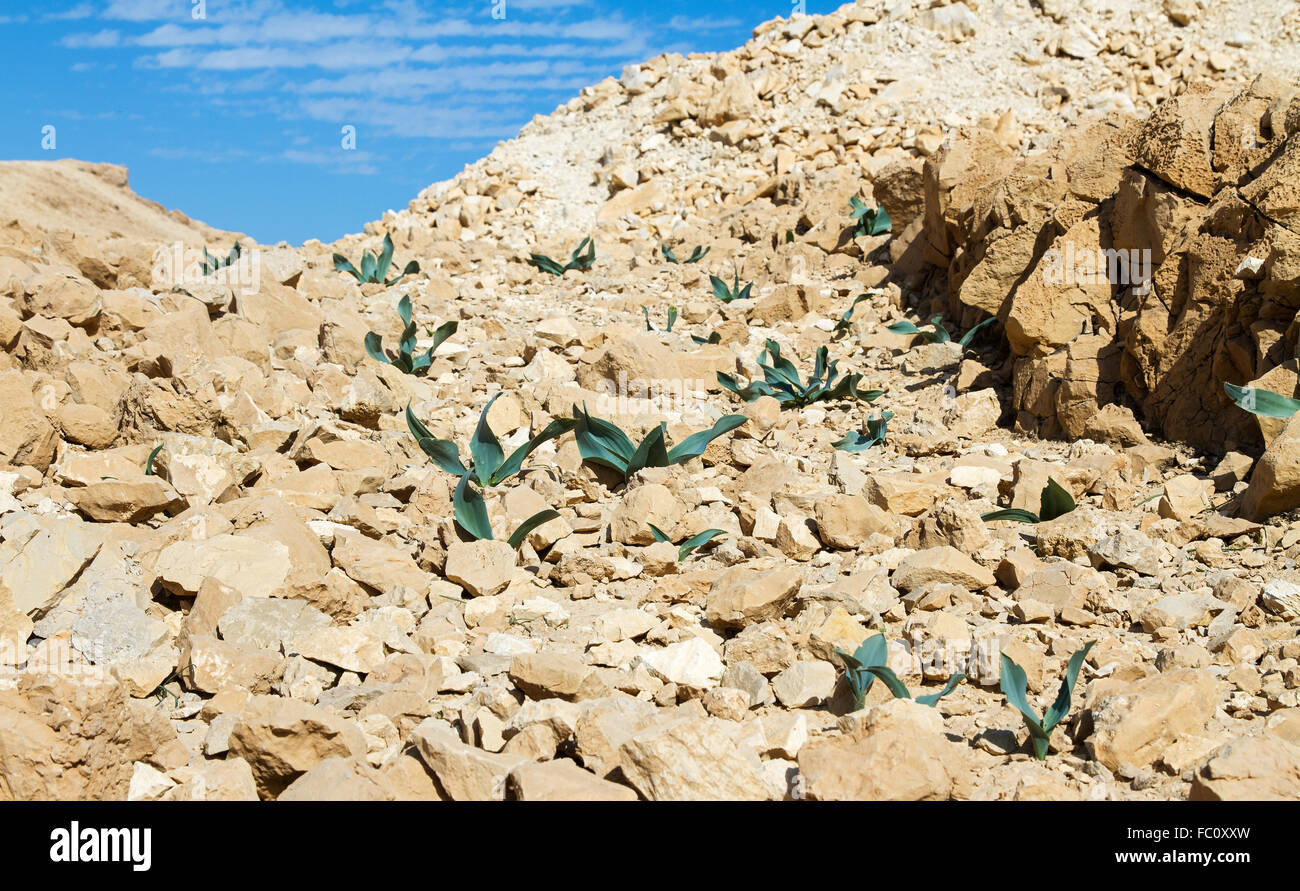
[
  {"x": 577, "y": 260},
  {"x": 696, "y": 255},
  {"x": 488, "y": 467},
  {"x": 472, "y": 516},
  {"x": 488, "y": 462},
  {"x": 672, "y": 318},
  {"x": 871, "y": 661},
  {"x": 937, "y": 333},
  {"x": 728, "y": 294},
  {"x": 781, "y": 381},
  {"x": 603, "y": 443},
  {"x": 405, "y": 359},
  {"x": 860, "y": 441},
  {"x": 1014, "y": 684},
  {"x": 1053, "y": 502},
  {"x": 713, "y": 338},
  {"x": 684, "y": 549},
  {"x": 374, "y": 270},
  {"x": 212, "y": 264},
  {"x": 868, "y": 220}
]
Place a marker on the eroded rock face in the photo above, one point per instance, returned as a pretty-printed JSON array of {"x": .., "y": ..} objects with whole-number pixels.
[
  {"x": 78, "y": 739},
  {"x": 1122, "y": 282}
]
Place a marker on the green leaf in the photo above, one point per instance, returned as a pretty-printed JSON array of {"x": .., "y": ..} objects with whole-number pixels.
[
  {"x": 386, "y": 260},
  {"x": 148, "y": 464},
  {"x": 668, "y": 253},
  {"x": 545, "y": 264},
  {"x": 843, "y": 323},
  {"x": 601, "y": 442},
  {"x": 411, "y": 268},
  {"x": 485, "y": 447},
  {"x": 858, "y": 441},
  {"x": 445, "y": 330},
  {"x": 695, "y": 444},
  {"x": 873, "y": 651},
  {"x": 1016, "y": 514},
  {"x": 970, "y": 335},
  {"x": 672, "y": 318},
  {"x": 650, "y": 453},
  {"x": 1061, "y": 707},
  {"x": 714, "y": 337},
  {"x": 375, "y": 347},
  {"x": 903, "y": 327},
  {"x": 698, "y": 254},
  {"x": 695, "y": 541},
  {"x": 528, "y": 525},
  {"x": 1054, "y": 501},
  {"x": 720, "y": 289},
  {"x": 658, "y": 533},
  {"x": 933, "y": 698},
  {"x": 645, "y": 312},
  {"x": 886, "y": 674},
  {"x": 1264, "y": 403},
  {"x": 342, "y": 264},
  {"x": 514, "y": 463},
  {"x": 368, "y": 266},
  {"x": 404, "y": 309},
  {"x": 470, "y": 510},
  {"x": 444, "y": 453}
]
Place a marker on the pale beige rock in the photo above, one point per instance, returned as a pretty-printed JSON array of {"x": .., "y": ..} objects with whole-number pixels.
[
  {"x": 1132, "y": 724},
  {"x": 1257, "y": 768},
  {"x": 252, "y": 567},
  {"x": 283, "y": 738},
  {"x": 482, "y": 568},
  {"x": 691, "y": 760},
  {"x": 942, "y": 565},
  {"x": 744, "y": 595},
  {"x": 899, "y": 755},
  {"x": 562, "y": 780}
]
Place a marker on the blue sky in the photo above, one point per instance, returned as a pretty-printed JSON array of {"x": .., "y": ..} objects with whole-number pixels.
[{"x": 233, "y": 110}]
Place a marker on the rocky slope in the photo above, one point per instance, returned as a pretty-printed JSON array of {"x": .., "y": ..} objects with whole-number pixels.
[{"x": 223, "y": 553}]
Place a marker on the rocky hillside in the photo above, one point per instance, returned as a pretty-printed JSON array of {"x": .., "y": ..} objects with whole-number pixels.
[{"x": 248, "y": 558}]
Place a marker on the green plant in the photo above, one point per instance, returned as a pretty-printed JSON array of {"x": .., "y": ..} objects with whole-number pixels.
[
  {"x": 212, "y": 264},
  {"x": 577, "y": 260},
  {"x": 1014, "y": 684},
  {"x": 938, "y": 334},
  {"x": 488, "y": 462},
  {"x": 869, "y": 221},
  {"x": 472, "y": 516},
  {"x": 872, "y": 652},
  {"x": 1053, "y": 502},
  {"x": 684, "y": 549},
  {"x": 871, "y": 661},
  {"x": 672, "y": 318},
  {"x": 781, "y": 381},
  {"x": 404, "y": 359},
  {"x": 728, "y": 294},
  {"x": 714, "y": 337},
  {"x": 148, "y": 465},
  {"x": 860, "y": 441},
  {"x": 374, "y": 270},
  {"x": 1264, "y": 403},
  {"x": 696, "y": 255},
  {"x": 846, "y": 319},
  {"x": 603, "y": 443}
]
